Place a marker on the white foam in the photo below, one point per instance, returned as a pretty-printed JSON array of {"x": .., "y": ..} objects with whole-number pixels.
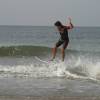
[{"x": 73, "y": 68}]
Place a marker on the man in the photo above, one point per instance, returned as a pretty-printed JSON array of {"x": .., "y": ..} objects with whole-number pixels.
[{"x": 64, "y": 39}]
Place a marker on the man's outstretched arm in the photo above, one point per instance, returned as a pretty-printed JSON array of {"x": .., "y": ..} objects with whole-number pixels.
[{"x": 70, "y": 26}]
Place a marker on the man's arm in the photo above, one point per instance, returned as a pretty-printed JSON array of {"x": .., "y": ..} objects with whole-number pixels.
[{"x": 70, "y": 26}]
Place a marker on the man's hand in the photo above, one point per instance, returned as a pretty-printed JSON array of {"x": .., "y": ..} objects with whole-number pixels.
[
  {"x": 69, "y": 19},
  {"x": 70, "y": 26}
]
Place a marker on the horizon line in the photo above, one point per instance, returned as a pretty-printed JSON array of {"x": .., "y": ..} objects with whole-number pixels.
[{"x": 45, "y": 25}]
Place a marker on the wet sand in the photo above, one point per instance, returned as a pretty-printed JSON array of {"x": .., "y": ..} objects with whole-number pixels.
[
  {"x": 48, "y": 89},
  {"x": 47, "y": 98}
]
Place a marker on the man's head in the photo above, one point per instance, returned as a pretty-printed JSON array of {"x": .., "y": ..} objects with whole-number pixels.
[{"x": 59, "y": 25}]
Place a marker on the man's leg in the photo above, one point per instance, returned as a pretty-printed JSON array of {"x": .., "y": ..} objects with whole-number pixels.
[
  {"x": 54, "y": 51},
  {"x": 63, "y": 49},
  {"x": 63, "y": 54}
]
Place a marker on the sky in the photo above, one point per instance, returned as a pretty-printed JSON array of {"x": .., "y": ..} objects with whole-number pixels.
[{"x": 46, "y": 12}]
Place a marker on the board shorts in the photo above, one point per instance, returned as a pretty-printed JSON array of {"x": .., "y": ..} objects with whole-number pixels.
[{"x": 62, "y": 42}]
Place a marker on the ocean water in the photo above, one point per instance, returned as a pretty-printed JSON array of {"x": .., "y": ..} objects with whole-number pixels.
[{"x": 21, "y": 74}]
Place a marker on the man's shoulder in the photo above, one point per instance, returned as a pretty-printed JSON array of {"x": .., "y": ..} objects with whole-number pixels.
[{"x": 65, "y": 29}]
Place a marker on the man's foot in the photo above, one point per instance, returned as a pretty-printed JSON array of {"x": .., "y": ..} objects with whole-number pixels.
[
  {"x": 52, "y": 59},
  {"x": 62, "y": 60}
]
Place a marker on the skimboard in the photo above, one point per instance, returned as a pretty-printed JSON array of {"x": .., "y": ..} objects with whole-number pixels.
[{"x": 39, "y": 59}]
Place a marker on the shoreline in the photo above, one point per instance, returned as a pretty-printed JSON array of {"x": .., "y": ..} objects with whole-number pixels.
[{"x": 47, "y": 98}]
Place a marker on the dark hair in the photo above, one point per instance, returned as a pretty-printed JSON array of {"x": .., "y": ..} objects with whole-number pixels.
[{"x": 58, "y": 23}]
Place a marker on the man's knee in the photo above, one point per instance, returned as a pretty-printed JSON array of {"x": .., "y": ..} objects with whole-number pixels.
[
  {"x": 55, "y": 48},
  {"x": 62, "y": 50}
]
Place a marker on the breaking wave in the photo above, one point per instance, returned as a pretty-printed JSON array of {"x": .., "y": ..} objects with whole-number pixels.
[
  {"x": 73, "y": 67},
  {"x": 77, "y": 64}
]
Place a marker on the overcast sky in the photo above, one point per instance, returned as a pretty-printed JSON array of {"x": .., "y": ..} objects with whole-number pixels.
[{"x": 46, "y": 12}]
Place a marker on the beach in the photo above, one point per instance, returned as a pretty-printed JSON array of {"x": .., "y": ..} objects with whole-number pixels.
[{"x": 23, "y": 77}]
